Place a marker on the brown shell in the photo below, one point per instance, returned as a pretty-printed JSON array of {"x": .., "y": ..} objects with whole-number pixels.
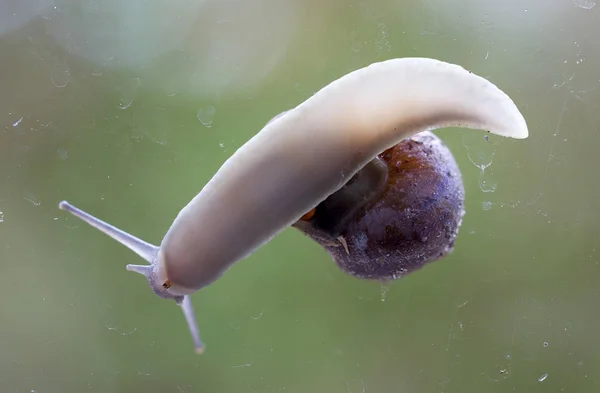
[{"x": 413, "y": 221}]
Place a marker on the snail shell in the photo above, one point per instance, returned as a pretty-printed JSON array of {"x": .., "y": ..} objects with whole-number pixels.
[{"x": 397, "y": 214}]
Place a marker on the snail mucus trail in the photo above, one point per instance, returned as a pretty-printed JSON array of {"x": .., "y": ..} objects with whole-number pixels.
[{"x": 355, "y": 167}]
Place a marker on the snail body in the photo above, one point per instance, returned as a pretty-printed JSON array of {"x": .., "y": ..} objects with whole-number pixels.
[{"x": 332, "y": 146}]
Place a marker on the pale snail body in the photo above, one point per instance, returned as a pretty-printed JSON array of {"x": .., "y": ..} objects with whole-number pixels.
[{"x": 303, "y": 156}]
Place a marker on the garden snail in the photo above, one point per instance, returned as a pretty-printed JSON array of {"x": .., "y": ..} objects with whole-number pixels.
[{"x": 319, "y": 164}]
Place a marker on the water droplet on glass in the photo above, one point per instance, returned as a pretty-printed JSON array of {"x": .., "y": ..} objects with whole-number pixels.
[
  {"x": 97, "y": 72},
  {"x": 61, "y": 75},
  {"x": 127, "y": 92},
  {"x": 222, "y": 145},
  {"x": 62, "y": 153},
  {"x": 206, "y": 115},
  {"x": 585, "y": 4},
  {"x": 545, "y": 344},
  {"x": 1, "y": 216},
  {"x": 480, "y": 152},
  {"x": 481, "y": 158},
  {"x": 487, "y": 182},
  {"x": 543, "y": 378},
  {"x": 486, "y": 205}
]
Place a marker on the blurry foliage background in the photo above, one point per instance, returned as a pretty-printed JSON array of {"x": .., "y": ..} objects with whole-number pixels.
[{"x": 126, "y": 109}]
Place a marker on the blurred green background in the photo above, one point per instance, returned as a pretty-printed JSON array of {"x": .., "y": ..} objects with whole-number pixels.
[{"x": 126, "y": 109}]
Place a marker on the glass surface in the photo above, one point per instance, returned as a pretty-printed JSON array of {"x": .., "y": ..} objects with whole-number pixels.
[{"x": 127, "y": 108}]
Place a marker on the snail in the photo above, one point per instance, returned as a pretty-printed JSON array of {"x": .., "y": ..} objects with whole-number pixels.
[{"x": 322, "y": 164}]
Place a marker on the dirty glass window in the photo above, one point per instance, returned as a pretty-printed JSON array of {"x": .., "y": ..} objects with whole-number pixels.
[{"x": 127, "y": 109}]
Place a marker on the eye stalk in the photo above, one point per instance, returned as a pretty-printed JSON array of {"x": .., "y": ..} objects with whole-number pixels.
[
  {"x": 154, "y": 272},
  {"x": 164, "y": 288}
]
